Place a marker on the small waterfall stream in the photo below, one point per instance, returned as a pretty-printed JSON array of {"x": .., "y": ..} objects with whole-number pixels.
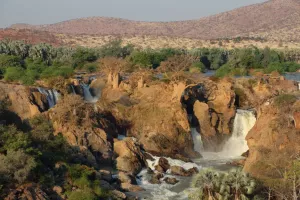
[
  {"x": 73, "y": 89},
  {"x": 88, "y": 97},
  {"x": 237, "y": 145},
  {"x": 197, "y": 140},
  {"x": 51, "y": 95}
]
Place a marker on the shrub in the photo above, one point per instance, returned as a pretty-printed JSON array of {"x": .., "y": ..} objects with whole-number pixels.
[
  {"x": 285, "y": 99},
  {"x": 91, "y": 67},
  {"x": 12, "y": 140},
  {"x": 85, "y": 194},
  {"x": 235, "y": 184},
  {"x": 279, "y": 67},
  {"x": 83, "y": 55},
  {"x": 16, "y": 165},
  {"x": 197, "y": 67},
  {"x": 142, "y": 58},
  {"x": 9, "y": 61},
  {"x": 225, "y": 70},
  {"x": 42, "y": 129},
  {"x": 115, "y": 49},
  {"x": 84, "y": 178},
  {"x": 63, "y": 71},
  {"x": 14, "y": 73}
]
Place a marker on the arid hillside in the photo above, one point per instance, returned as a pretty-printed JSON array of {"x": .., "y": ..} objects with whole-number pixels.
[
  {"x": 30, "y": 36},
  {"x": 274, "y": 19}
]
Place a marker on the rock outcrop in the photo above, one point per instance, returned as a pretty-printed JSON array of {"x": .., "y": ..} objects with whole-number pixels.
[
  {"x": 210, "y": 107},
  {"x": 130, "y": 158},
  {"x": 26, "y": 102},
  {"x": 83, "y": 127},
  {"x": 251, "y": 93},
  {"x": 273, "y": 141}
]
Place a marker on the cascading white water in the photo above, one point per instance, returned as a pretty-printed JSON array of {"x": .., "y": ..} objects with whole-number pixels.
[
  {"x": 237, "y": 144},
  {"x": 197, "y": 140},
  {"x": 87, "y": 94},
  {"x": 51, "y": 95}
]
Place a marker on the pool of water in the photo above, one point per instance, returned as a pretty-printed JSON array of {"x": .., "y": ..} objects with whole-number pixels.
[{"x": 293, "y": 76}]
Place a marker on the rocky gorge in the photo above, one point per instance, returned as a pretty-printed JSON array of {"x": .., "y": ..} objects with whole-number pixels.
[{"x": 137, "y": 127}]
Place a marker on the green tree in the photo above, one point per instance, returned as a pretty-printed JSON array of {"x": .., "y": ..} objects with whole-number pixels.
[
  {"x": 14, "y": 73},
  {"x": 16, "y": 165},
  {"x": 9, "y": 61}
]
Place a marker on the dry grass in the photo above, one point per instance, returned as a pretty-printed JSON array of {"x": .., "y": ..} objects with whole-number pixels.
[{"x": 156, "y": 42}]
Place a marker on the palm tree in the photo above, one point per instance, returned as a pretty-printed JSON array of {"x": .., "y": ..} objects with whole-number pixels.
[
  {"x": 241, "y": 184},
  {"x": 209, "y": 181}
]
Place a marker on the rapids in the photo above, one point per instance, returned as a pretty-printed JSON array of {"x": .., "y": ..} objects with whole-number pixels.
[{"x": 232, "y": 150}]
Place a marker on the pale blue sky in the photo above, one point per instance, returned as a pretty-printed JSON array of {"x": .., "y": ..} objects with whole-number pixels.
[{"x": 52, "y": 11}]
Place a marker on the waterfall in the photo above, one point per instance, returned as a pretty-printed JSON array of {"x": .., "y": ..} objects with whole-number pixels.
[
  {"x": 87, "y": 94},
  {"x": 197, "y": 140},
  {"x": 237, "y": 144},
  {"x": 51, "y": 95},
  {"x": 73, "y": 89}
]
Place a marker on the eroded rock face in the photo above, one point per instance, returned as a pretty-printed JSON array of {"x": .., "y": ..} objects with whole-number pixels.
[
  {"x": 210, "y": 107},
  {"x": 273, "y": 141},
  {"x": 28, "y": 192},
  {"x": 26, "y": 102},
  {"x": 252, "y": 93},
  {"x": 159, "y": 123},
  {"x": 130, "y": 157},
  {"x": 83, "y": 127}
]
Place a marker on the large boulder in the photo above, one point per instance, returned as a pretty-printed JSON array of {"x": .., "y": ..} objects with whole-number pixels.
[
  {"x": 163, "y": 165},
  {"x": 171, "y": 181},
  {"x": 130, "y": 157},
  {"x": 180, "y": 171}
]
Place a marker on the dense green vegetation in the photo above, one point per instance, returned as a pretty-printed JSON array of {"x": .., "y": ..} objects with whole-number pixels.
[
  {"x": 26, "y": 63},
  {"x": 235, "y": 184},
  {"x": 33, "y": 155}
]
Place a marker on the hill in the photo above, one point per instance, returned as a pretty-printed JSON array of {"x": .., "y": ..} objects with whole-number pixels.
[
  {"x": 274, "y": 19},
  {"x": 30, "y": 36}
]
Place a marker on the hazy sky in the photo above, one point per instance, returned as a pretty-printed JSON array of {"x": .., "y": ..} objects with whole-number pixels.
[{"x": 51, "y": 11}]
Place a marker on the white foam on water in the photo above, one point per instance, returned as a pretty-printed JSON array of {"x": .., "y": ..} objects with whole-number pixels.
[
  {"x": 164, "y": 191},
  {"x": 88, "y": 97},
  {"x": 161, "y": 191},
  {"x": 197, "y": 140},
  {"x": 172, "y": 162},
  {"x": 237, "y": 144},
  {"x": 51, "y": 95}
]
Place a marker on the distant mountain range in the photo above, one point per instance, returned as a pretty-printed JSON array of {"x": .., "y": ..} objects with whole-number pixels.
[{"x": 271, "y": 17}]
